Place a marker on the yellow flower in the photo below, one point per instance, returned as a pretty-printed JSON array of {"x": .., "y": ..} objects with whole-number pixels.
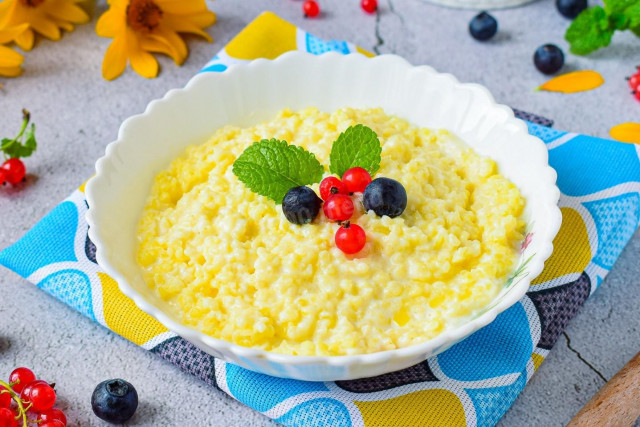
[
  {"x": 10, "y": 60},
  {"x": 46, "y": 17},
  {"x": 142, "y": 26}
]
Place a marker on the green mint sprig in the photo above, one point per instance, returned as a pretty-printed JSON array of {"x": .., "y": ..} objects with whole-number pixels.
[
  {"x": 271, "y": 167},
  {"x": 358, "y": 146},
  {"x": 24, "y": 144},
  {"x": 594, "y": 27}
]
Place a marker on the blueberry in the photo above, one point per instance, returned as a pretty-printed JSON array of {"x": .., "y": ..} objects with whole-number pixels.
[
  {"x": 301, "y": 205},
  {"x": 483, "y": 26},
  {"x": 114, "y": 401},
  {"x": 548, "y": 59},
  {"x": 385, "y": 196},
  {"x": 571, "y": 8}
]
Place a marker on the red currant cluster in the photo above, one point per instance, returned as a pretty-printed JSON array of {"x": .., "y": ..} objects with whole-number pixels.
[
  {"x": 311, "y": 8},
  {"x": 24, "y": 397},
  {"x": 338, "y": 206},
  {"x": 12, "y": 171},
  {"x": 634, "y": 83}
]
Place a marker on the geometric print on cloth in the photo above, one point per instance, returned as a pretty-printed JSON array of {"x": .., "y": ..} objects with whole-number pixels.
[{"x": 473, "y": 383}]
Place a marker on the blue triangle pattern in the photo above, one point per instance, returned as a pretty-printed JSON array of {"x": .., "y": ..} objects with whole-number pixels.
[
  {"x": 72, "y": 287},
  {"x": 616, "y": 220},
  {"x": 317, "y": 412},
  {"x": 491, "y": 403},
  {"x": 318, "y": 46}
]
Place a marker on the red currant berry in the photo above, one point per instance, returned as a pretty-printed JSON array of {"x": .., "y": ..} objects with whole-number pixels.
[
  {"x": 369, "y": 6},
  {"x": 350, "y": 238},
  {"x": 356, "y": 179},
  {"x": 636, "y": 93},
  {"x": 42, "y": 397},
  {"x": 52, "y": 423},
  {"x": 14, "y": 170},
  {"x": 3, "y": 178},
  {"x": 310, "y": 9},
  {"x": 338, "y": 207},
  {"x": 634, "y": 81},
  {"x": 51, "y": 415},
  {"x": 330, "y": 186},
  {"x": 20, "y": 376},
  {"x": 7, "y": 418},
  {"x": 5, "y": 397}
]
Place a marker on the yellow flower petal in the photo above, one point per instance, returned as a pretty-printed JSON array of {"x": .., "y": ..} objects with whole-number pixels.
[
  {"x": 67, "y": 26},
  {"x": 111, "y": 23},
  {"x": 10, "y": 33},
  {"x": 175, "y": 41},
  {"x": 66, "y": 11},
  {"x": 115, "y": 59},
  {"x": 9, "y": 58},
  {"x": 184, "y": 26},
  {"x": 182, "y": 7},
  {"x": 142, "y": 62},
  {"x": 626, "y": 132},
  {"x": 202, "y": 20},
  {"x": 159, "y": 44},
  {"x": 46, "y": 27},
  {"x": 577, "y": 81},
  {"x": 10, "y": 71},
  {"x": 25, "y": 40},
  {"x": 7, "y": 9}
]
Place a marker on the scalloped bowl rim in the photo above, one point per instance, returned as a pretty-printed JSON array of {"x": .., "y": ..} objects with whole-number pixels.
[{"x": 448, "y": 336}]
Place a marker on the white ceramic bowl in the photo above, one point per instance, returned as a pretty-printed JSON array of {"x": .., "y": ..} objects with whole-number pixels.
[{"x": 247, "y": 94}]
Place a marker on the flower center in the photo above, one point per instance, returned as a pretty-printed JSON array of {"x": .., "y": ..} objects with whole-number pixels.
[
  {"x": 141, "y": 14},
  {"x": 32, "y": 3}
]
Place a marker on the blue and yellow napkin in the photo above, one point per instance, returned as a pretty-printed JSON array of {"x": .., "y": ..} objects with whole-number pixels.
[{"x": 473, "y": 383}]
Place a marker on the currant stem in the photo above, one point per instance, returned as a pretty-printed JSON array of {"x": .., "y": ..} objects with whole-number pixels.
[
  {"x": 26, "y": 117},
  {"x": 22, "y": 411}
]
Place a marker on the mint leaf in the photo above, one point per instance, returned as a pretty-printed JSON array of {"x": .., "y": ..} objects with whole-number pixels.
[
  {"x": 15, "y": 148},
  {"x": 271, "y": 167},
  {"x": 590, "y": 31},
  {"x": 636, "y": 30},
  {"x": 633, "y": 13},
  {"x": 356, "y": 146}
]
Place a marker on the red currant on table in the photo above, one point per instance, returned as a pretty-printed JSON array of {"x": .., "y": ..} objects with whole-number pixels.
[
  {"x": 42, "y": 397},
  {"x": 25, "y": 394},
  {"x": 338, "y": 207},
  {"x": 20, "y": 376},
  {"x": 5, "y": 397},
  {"x": 369, "y": 6},
  {"x": 3, "y": 179},
  {"x": 330, "y": 186},
  {"x": 356, "y": 179},
  {"x": 350, "y": 238},
  {"x": 14, "y": 170},
  {"x": 310, "y": 9},
  {"x": 636, "y": 93},
  {"x": 634, "y": 81},
  {"x": 52, "y": 415},
  {"x": 7, "y": 418}
]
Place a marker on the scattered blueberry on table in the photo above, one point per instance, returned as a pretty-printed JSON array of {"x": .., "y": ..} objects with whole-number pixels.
[
  {"x": 548, "y": 59},
  {"x": 483, "y": 26},
  {"x": 571, "y": 8},
  {"x": 114, "y": 401}
]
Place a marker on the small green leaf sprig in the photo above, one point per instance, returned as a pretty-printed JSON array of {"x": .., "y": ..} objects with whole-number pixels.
[
  {"x": 271, "y": 167},
  {"x": 24, "y": 144},
  {"x": 595, "y": 26}
]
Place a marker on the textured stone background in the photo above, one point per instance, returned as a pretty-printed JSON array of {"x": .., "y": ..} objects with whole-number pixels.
[{"x": 78, "y": 113}]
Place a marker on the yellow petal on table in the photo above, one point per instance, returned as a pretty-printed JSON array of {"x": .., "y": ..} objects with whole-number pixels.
[
  {"x": 181, "y": 7},
  {"x": 9, "y": 58},
  {"x": 110, "y": 23},
  {"x": 185, "y": 26},
  {"x": 626, "y": 132},
  {"x": 115, "y": 59},
  {"x": 571, "y": 248},
  {"x": 143, "y": 63},
  {"x": 175, "y": 41},
  {"x": 577, "y": 81},
  {"x": 65, "y": 11},
  {"x": 25, "y": 40},
  {"x": 124, "y": 317},
  {"x": 10, "y": 71},
  {"x": 268, "y": 36},
  {"x": 201, "y": 20},
  {"x": 46, "y": 27},
  {"x": 161, "y": 45},
  {"x": 421, "y": 408}
]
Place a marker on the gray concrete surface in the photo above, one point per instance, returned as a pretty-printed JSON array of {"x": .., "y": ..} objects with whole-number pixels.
[{"x": 78, "y": 113}]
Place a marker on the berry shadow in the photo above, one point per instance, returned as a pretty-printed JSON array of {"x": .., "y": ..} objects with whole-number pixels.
[
  {"x": 10, "y": 190},
  {"x": 5, "y": 345}
]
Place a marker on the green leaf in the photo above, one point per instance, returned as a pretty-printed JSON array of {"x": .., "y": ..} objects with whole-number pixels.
[
  {"x": 271, "y": 167},
  {"x": 633, "y": 13},
  {"x": 14, "y": 148},
  {"x": 356, "y": 146},
  {"x": 636, "y": 30},
  {"x": 619, "y": 21},
  {"x": 616, "y": 6},
  {"x": 590, "y": 31}
]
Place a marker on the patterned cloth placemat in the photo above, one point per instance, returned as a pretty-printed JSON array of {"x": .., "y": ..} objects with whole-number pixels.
[{"x": 472, "y": 383}]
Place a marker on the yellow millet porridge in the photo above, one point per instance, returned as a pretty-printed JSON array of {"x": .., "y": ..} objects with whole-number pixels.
[{"x": 230, "y": 264}]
